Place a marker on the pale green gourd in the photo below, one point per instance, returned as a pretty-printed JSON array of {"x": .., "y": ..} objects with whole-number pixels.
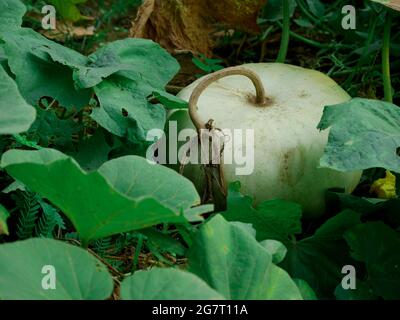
[{"x": 288, "y": 144}]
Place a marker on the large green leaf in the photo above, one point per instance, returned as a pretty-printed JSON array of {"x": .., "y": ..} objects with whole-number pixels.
[
  {"x": 37, "y": 75},
  {"x": 16, "y": 115},
  {"x": 125, "y": 74},
  {"x": 135, "y": 59},
  {"x": 139, "y": 68},
  {"x": 363, "y": 134},
  {"x": 125, "y": 111},
  {"x": 78, "y": 274},
  {"x": 275, "y": 219},
  {"x": 228, "y": 257},
  {"x": 11, "y": 13},
  {"x": 319, "y": 259},
  {"x": 379, "y": 247},
  {"x": 3, "y": 220},
  {"x": 123, "y": 195},
  {"x": 166, "y": 284}
]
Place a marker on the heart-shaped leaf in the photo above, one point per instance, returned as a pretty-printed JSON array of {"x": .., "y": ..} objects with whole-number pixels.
[
  {"x": 44, "y": 269},
  {"x": 363, "y": 134},
  {"x": 123, "y": 195},
  {"x": 228, "y": 257},
  {"x": 37, "y": 75},
  {"x": 140, "y": 60},
  {"x": 166, "y": 284}
]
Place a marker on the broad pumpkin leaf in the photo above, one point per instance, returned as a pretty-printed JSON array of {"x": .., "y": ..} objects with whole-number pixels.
[
  {"x": 124, "y": 73},
  {"x": 125, "y": 111},
  {"x": 3, "y": 220},
  {"x": 25, "y": 266},
  {"x": 135, "y": 68},
  {"x": 16, "y": 115},
  {"x": 37, "y": 75},
  {"x": 68, "y": 9},
  {"x": 166, "y": 284},
  {"x": 377, "y": 246},
  {"x": 228, "y": 257},
  {"x": 11, "y": 13},
  {"x": 139, "y": 60},
  {"x": 274, "y": 219},
  {"x": 319, "y": 259},
  {"x": 363, "y": 134},
  {"x": 123, "y": 195}
]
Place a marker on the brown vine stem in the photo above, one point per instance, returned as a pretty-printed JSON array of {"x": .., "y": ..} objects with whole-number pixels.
[{"x": 260, "y": 100}]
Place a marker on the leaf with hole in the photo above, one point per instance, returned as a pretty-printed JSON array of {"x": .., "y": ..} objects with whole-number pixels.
[{"x": 37, "y": 75}]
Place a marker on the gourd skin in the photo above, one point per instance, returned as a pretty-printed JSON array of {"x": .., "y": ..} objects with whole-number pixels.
[{"x": 287, "y": 143}]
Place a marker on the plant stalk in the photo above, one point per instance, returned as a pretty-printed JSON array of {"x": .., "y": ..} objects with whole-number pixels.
[
  {"x": 387, "y": 84},
  {"x": 139, "y": 247},
  {"x": 285, "y": 32}
]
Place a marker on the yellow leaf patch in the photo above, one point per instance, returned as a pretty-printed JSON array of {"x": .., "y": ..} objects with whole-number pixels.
[{"x": 385, "y": 188}]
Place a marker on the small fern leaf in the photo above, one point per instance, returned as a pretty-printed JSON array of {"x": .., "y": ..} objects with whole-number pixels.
[
  {"x": 48, "y": 221},
  {"x": 29, "y": 208}
]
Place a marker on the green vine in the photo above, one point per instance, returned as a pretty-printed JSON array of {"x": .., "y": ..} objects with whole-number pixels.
[
  {"x": 387, "y": 84},
  {"x": 285, "y": 32}
]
